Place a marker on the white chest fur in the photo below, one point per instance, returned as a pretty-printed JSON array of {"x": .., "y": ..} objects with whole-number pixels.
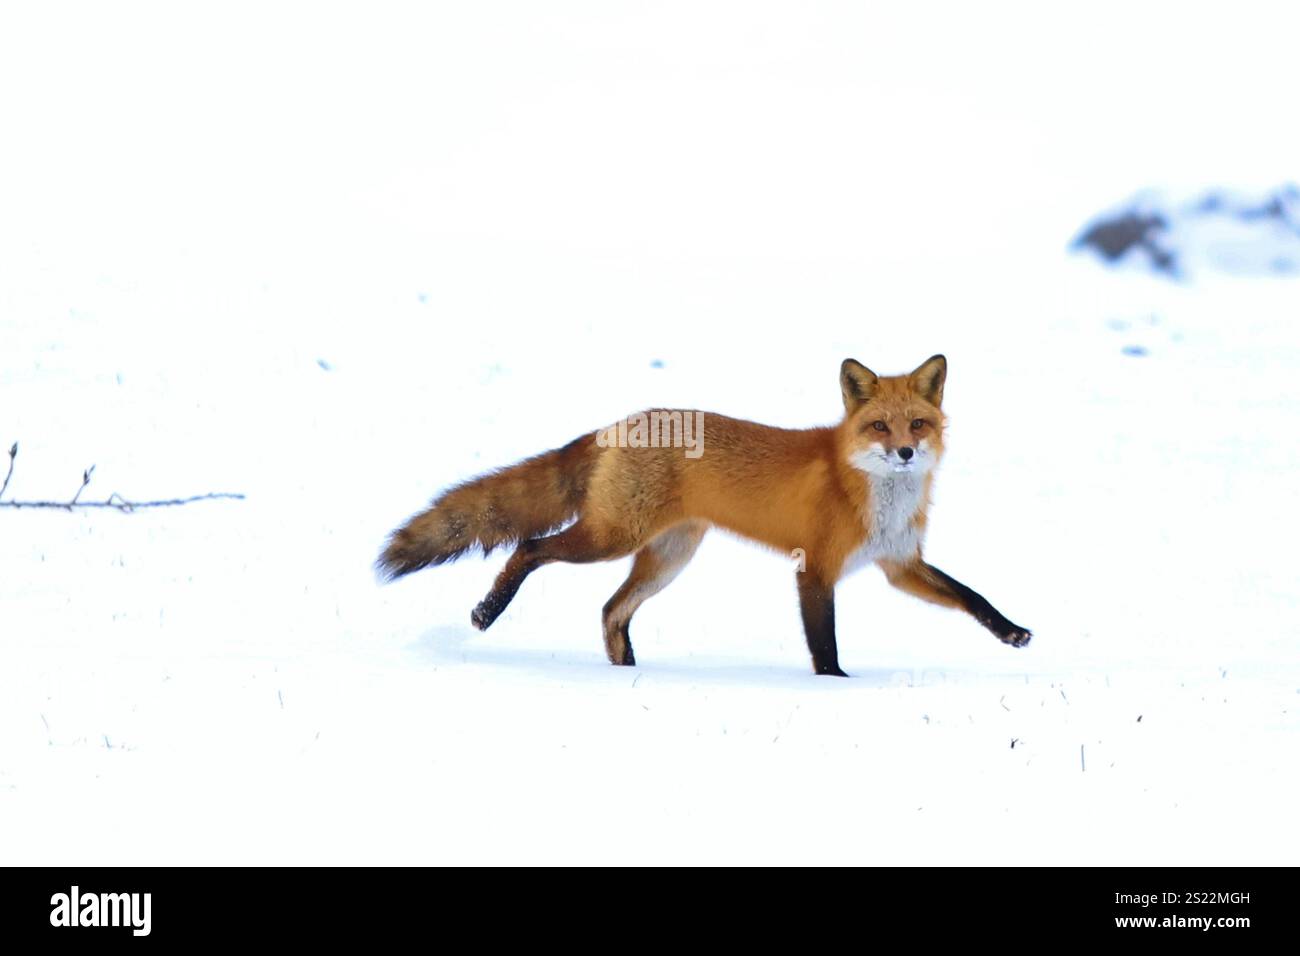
[{"x": 892, "y": 534}]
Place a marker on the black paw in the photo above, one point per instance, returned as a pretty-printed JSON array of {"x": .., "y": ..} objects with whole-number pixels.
[
  {"x": 1015, "y": 635},
  {"x": 482, "y": 616}
]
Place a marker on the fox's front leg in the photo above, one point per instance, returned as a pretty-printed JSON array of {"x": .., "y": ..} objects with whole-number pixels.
[
  {"x": 817, "y": 605},
  {"x": 930, "y": 584}
]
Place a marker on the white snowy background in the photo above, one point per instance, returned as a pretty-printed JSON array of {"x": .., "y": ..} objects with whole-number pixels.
[{"x": 339, "y": 256}]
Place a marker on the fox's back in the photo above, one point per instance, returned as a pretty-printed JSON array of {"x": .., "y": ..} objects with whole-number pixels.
[{"x": 765, "y": 483}]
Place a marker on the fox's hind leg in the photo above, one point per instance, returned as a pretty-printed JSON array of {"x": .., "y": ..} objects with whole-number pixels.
[
  {"x": 654, "y": 568},
  {"x": 578, "y": 544}
]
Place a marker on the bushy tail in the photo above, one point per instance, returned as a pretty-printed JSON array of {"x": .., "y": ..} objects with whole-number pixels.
[{"x": 513, "y": 504}]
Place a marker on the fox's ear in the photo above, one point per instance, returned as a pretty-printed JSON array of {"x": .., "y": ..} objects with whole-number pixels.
[
  {"x": 857, "y": 382},
  {"x": 928, "y": 379}
]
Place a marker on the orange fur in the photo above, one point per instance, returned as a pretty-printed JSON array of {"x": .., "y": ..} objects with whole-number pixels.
[{"x": 858, "y": 490}]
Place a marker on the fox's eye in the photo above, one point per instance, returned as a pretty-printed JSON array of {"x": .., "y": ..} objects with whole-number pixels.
[
  {"x": 918, "y": 424},
  {"x": 880, "y": 426}
]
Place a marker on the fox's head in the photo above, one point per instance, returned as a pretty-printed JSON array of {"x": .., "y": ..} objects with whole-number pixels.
[{"x": 894, "y": 424}]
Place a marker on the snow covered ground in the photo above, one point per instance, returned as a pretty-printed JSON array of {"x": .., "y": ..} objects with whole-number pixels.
[{"x": 337, "y": 260}]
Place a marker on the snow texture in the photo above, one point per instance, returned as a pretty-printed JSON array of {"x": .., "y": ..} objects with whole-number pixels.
[{"x": 340, "y": 258}]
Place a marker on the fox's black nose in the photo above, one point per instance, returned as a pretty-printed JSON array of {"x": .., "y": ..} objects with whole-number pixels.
[{"x": 905, "y": 453}]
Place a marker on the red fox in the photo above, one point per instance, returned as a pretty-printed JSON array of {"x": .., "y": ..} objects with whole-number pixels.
[{"x": 839, "y": 497}]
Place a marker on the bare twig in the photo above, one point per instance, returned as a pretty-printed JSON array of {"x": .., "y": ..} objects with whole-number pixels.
[
  {"x": 114, "y": 501},
  {"x": 85, "y": 480},
  {"x": 118, "y": 503},
  {"x": 13, "y": 453}
]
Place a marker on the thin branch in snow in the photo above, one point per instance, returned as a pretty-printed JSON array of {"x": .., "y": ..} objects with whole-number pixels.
[
  {"x": 85, "y": 480},
  {"x": 114, "y": 501},
  {"x": 13, "y": 453},
  {"x": 117, "y": 503}
]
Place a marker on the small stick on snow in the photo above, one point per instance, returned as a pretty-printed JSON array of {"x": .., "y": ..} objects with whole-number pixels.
[
  {"x": 13, "y": 453},
  {"x": 114, "y": 501},
  {"x": 85, "y": 480},
  {"x": 1083, "y": 764},
  {"x": 117, "y": 503}
]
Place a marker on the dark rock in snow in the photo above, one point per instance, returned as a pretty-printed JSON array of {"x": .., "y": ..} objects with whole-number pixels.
[
  {"x": 1115, "y": 236},
  {"x": 1221, "y": 230}
]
